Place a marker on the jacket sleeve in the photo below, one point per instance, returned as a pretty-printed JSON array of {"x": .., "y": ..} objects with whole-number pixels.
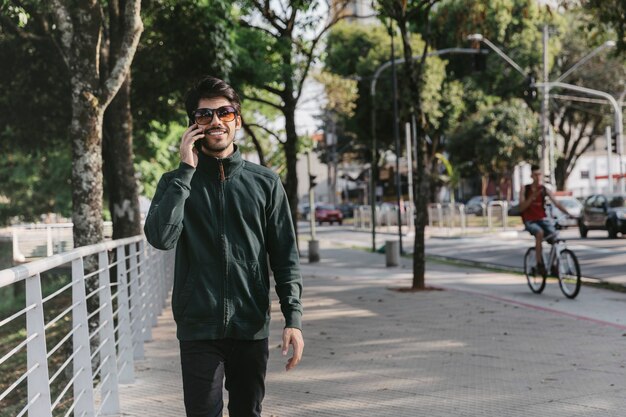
[
  {"x": 164, "y": 222},
  {"x": 283, "y": 255}
]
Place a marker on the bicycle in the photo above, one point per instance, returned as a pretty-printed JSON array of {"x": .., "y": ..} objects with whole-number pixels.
[{"x": 561, "y": 263}]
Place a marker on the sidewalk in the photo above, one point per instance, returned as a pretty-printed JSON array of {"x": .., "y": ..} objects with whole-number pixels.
[{"x": 484, "y": 346}]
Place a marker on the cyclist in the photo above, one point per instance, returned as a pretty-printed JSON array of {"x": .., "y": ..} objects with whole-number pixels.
[{"x": 532, "y": 204}]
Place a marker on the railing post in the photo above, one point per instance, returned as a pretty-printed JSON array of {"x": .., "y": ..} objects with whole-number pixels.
[
  {"x": 152, "y": 277},
  {"x": 135, "y": 305},
  {"x": 17, "y": 255},
  {"x": 463, "y": 219},
  {"x": 49, "y": 251},
  {"x": 109, "y": 393},
  {"x": 126, "y": 365},
  {"x": 36, "y": 354},
  {"x": 164, "y": 276},
  {"x": 144, "y": 289},
  {"x": 83, "y": 385}
]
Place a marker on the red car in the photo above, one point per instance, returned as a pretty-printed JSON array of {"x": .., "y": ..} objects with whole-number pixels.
[{"x": 328, "y": 213}]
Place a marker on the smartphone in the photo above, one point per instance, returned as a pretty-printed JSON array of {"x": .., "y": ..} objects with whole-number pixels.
[{"x": 197, "y": 143}]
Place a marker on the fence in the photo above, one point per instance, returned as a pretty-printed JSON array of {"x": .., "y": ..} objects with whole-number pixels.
[
  {"x": 115, "y": 292},
  {"x": 385, "y": 216},
  {"x": 452, "y": 216}
]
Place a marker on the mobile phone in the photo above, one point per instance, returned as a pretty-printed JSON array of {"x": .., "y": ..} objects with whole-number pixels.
[{"x": 197, "y": 143}]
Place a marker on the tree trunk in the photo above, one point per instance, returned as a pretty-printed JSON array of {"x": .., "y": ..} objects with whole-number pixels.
[
  {"x": 86, "y": 126},
  {"x": 560, "y": 173},
  {"x": 86, "y": 134},
  {"x": 413, "y": 74},
  {"x": 291, "y": 156},
  {"x": 119, "y": 171}
]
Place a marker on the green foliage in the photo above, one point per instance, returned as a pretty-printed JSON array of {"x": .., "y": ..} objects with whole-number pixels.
[
  {"x": 35, "y": 102},
  {"x": 162, "y": 142},
  {"x": 496, "y": 139},
  {"x": 609, "y": 14},
  {"x": 34, "y": 183},
  {"x": 513, "y": 25},
  {"x": 183, "y": 40}
]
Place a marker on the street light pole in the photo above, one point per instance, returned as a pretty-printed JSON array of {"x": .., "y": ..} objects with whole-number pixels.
[
  {"x": 545, "y": 106},
  {"x": 396, "y": 135},
  {"x": 617, "y": 109}
]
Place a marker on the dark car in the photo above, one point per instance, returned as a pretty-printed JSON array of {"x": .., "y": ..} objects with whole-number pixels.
[
  {"x": 328, "y": 213},
  {"x": 347, "y": 210},
  {"x": 475, "y": 204},
  {"x": 603, "y": 212}
]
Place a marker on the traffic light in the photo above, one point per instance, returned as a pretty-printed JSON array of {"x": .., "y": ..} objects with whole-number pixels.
[
  {"x": 614, "y": 143},
  {"x": 530, "y": 90},
  {"x": 312, "y": 182}
]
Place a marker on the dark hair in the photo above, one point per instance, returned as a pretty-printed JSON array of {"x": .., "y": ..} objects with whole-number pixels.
[
  {"x": 211, "y": 87},
  {"x": 534, "y": 167}
]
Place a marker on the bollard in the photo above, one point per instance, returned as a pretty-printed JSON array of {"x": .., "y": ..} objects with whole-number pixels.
[
  {"x": 392, "y": 252},
  {"x": 314, "y": 251}
]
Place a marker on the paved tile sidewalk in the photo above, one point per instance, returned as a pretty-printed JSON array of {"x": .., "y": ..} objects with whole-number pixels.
[{"x": 371, "y": 351}]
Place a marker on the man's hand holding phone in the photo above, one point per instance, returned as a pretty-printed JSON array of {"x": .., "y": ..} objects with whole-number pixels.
[{"x": 188, "y": 152}]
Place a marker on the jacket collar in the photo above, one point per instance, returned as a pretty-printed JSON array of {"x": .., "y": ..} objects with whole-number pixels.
[{"x": 230, "y": 165}]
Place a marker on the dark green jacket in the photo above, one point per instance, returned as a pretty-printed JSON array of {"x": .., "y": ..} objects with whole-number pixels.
[{"x": 228, "y": 219}]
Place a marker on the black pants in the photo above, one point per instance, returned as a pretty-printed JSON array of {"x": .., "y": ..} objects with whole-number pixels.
[{"x": 205, "y": 363}]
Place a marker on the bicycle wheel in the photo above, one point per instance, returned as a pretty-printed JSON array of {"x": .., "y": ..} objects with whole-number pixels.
[
  {"x": 569, "y": 273},
  {"x": 536, "y": 281}
]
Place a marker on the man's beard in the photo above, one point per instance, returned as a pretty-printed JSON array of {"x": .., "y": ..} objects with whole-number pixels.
[{"x": 213, "y": 146}]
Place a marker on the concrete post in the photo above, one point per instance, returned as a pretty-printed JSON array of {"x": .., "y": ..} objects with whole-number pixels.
[
  {"x": 314, "y": 251},
  {"x": 392, "y": 253}
]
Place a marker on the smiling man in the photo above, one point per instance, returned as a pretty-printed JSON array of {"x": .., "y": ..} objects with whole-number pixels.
[{"x": 230, "y": 223}]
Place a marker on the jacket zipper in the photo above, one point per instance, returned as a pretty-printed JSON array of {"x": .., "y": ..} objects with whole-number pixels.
[{"x": 222, "y": 178}]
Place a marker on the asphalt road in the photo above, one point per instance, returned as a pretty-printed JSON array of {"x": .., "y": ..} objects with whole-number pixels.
[{"x": 600, "y": 258}]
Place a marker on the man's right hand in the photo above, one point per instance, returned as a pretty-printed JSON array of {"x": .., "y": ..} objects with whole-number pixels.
[{"x": 188, "y": 152}]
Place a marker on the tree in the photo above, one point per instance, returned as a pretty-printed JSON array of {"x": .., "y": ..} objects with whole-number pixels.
[
  {"x": 496, "y": 139},
  {"x": 75, "y": 29},
  {"x": 418, "y": 13},
  {"x": 35, "y": 92},
  {"x": 274, "y": 36},
  {"x": 356, "y": 51},
  {"x": 610, "y": 13},
  {"x": 578, "y": 121}
]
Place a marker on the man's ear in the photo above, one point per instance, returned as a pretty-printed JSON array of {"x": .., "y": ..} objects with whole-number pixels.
[{"x": 239, "y": 123}]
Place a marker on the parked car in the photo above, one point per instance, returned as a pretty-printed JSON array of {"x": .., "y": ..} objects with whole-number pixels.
[
  {"x": 573, "y": 206},
  {"x": 347, "y": 209},
  {"x": 514, "y": 208},
  {"x": 328, "y": 213},
  {"x": 474, "y": 204},
  {"x": 303, "y": 211},
  {"x": 603, "y": 212}
]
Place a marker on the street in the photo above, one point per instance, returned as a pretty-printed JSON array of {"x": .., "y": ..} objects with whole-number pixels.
[{"x": 600, "y": 258}]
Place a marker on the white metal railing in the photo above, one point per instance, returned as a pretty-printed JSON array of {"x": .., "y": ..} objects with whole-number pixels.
[
  {"x": 448, "y": 216},
  {"x": 492, "y": 209},
  {"x": 37, "y": 240},
  {"x": 124, "y": 283},
  {"x": 384, "y": 217}
]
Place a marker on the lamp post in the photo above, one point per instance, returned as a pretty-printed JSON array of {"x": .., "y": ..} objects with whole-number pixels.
[
  {"x": 546, "y": 85},
  {"x": 617, "y": 109}
]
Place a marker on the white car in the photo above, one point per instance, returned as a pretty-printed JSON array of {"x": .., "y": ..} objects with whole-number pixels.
[{"x": 573, "y": 206}]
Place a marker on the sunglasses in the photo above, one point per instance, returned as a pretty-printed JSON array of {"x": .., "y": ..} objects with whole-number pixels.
[{"x": 205, "y": 116}]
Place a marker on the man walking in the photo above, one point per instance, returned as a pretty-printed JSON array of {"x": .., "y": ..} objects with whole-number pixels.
[{"x": 230, "y": 222}]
